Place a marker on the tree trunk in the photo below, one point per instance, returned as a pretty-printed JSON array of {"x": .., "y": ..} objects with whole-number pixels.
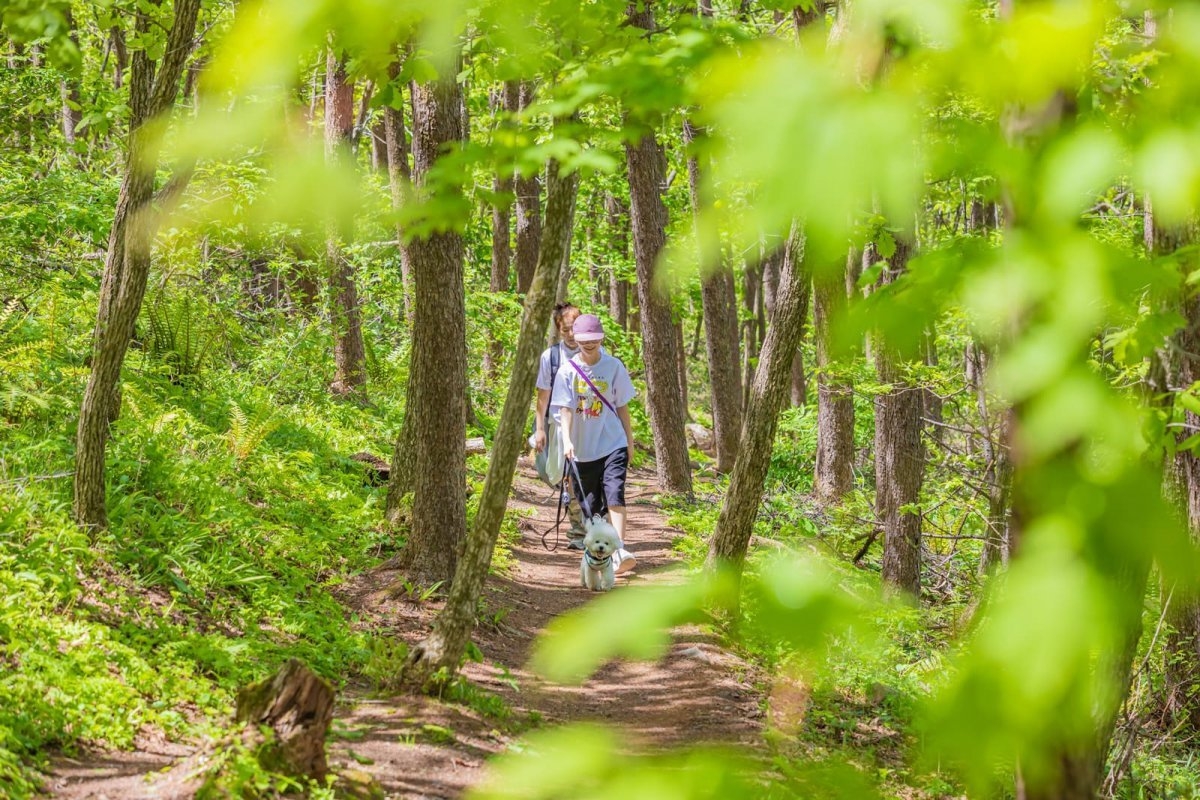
[
  {"x": 72, "y": 112},
  {"x": 438, "y": 388},
  {"x": 931, "y": 401},
  {"x": 399, "y": 176},
  {"x": 1181, "y": 670},
  {"x": 127, "y": 265},
  {"x": 834, "y": 474},
  {"x": 664, "y": 395},
  {"x": 446, "y": 644},
  {"x": 618, "y": 295},
  {"x": 735, "y": 523},
  {"x": 505, "y": 101},
  {"x": 752, "y": 303},
  {"x": 997, "y": 474},
  {"x": 718, "y": 298},
  {"x": 899, "y": 455},
  {"x": 297, "y": 706},
  {"x": 349, "y": 354},
  {"x": 528, "y": 189}
]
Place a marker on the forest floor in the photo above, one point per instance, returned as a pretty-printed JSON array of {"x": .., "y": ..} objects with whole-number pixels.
[{"x": 422, "y": 747}]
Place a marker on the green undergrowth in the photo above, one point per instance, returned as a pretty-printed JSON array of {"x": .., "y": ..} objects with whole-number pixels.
[
  {"x": 847, "y": 715},
  {"x": 235, "y": 514}
]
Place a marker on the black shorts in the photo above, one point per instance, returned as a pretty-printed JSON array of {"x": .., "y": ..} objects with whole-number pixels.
[{"x": 602, "y": 482}]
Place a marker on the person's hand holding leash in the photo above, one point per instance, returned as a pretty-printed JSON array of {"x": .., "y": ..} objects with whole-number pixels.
[{"x": 568, "y": 450}]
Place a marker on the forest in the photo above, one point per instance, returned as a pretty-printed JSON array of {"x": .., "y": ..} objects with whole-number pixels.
[{"x": 905, "y": 292}]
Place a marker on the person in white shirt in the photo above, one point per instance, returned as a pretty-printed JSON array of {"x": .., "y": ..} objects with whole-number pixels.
[{"x": 592, "y": 392}]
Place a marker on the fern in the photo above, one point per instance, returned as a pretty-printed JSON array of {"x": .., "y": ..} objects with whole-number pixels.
[
  {"x": 21, "y": 364},
  {"x": 178, "y": 336},
  {"x": 247, "y": 433}
]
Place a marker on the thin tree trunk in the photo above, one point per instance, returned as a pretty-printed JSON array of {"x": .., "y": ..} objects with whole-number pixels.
[
  {"x": 664, "y": 395},
  {"x": 529, "y": 212},
  {"x": 121, "y": 56},
  {"x": 1181, "y": 669},
  {"x": 997, "y": 474},
  {"x": 731, "y": 538},
  {"x": 931, "y": 401},
  {"x": 718, "y": 298},
  {"x": 72, "y": 112},
  {"x": 899, "y": 455},
  {"x": 616, "y": 213},
  {"x": 127, "y": 266},
  {"x": 436, "y": 411},
  {"x": 445, "y": 646},
  {"x": 834, "y": 473},
  {"x": 399, "y": 177},
  {"x": 349, "y": 354},
  {"x": 507, "y": 100}
]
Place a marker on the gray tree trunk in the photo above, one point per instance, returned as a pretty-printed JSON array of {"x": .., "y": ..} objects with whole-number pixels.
[
  {"x": 735, "y": 524},
  {"x": 127, "y": 265},
  {"x": 899, "y": 455},
  {"x": 349, "y": 354},
  {"x": 529, "y": 210},
  {"x": 718, "y": 299},
  {"x": 663, "y": 392},
  {"x": 446, "y": 645},
  {"x": 506, "y": 100},
  {"x": 437, "y": 406},
  {"x": 834, "y": 473},
  {"x": 399, "y": 176}
]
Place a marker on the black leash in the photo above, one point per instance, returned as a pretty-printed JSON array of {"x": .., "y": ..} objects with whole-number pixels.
[{"x": 584, "y": 505}]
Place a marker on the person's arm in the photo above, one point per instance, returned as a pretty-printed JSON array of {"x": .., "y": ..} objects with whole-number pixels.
[
  {"x": 627, "y": 424},
  {"x": 539, "y": 430},
  {"x": 565, "y": 419}
]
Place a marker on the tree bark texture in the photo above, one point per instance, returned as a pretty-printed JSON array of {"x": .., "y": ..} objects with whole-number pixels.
[
  {"x": 447, "y": 643},
  {"x": 297, "y": 705},
  {"x": 349, "y": 353},
  {"x": 718, "y": 298},
  {"x": 127, "y": 265},
  {"x": 664, "y": 394},
  {"x": 528, "y": 189},
  {"x": 834, "y": 472},
  {"x": 72, "y": 113},
  {"x": 899, "y": 455},
  {"x": 439, "y": 356},
  {"x": 768, "y": 390}
]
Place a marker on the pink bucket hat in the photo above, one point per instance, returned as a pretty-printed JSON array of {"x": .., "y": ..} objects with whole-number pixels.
[{"x": 587, "y": 328}]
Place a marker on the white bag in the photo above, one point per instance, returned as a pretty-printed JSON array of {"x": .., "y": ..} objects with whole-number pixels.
[{"x": 549, "y": 462}]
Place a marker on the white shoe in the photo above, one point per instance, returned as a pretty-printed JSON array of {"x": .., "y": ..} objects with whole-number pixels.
[{"x": 623, "y": 561}]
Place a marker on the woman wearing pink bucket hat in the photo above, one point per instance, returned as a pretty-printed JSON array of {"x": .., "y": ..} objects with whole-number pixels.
[{"x": 593, "y": 390}]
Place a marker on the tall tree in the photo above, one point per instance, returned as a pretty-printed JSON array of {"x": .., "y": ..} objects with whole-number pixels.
[
  {"x": 615, "y": 212},
  {"x": 735, "y": 524},
  {"x": 349, "y": 354},
  {"x": 446, "y": 645},
  {"x": 834, "y": 471},
  {"x": 899, "y": 454},
  {"x": 528, "y": 189},
  {"x": 399, "y": 172},
  {"x": 504, "y": 101},
  {"x": 647, "y": 173},
  {"x": 72, "y": 112},
  {"x": 152, "y": 92},
  {"x": 718, "y": 299},
  {"x": 436, "y": 408}
]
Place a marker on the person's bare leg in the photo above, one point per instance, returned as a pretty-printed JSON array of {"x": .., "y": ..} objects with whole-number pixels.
[
  {"x": 616, "y": 516},
  {"x": 623, "y": 560}
]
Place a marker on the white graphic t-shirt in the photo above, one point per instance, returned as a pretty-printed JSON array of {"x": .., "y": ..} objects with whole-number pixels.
[{"x": 595, "y": 428}]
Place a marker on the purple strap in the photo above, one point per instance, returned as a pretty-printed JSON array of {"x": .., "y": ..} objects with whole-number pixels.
[{"x": 603, "y": 399}]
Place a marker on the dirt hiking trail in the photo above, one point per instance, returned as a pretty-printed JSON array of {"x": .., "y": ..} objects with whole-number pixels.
[{"x": 421, "y": 747}]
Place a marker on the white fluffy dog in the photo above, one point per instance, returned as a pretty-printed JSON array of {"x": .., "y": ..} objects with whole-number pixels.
[{"x": 599, "y": 546}]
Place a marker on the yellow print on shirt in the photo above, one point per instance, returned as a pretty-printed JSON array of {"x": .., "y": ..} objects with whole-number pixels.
[{"x": 586, "y": 401}]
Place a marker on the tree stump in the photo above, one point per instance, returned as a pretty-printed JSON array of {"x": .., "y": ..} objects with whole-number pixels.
[{"x": 298, "y": 707}]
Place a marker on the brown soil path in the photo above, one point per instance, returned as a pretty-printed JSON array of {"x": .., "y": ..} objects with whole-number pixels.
[{"x": 417, "y": 747}]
